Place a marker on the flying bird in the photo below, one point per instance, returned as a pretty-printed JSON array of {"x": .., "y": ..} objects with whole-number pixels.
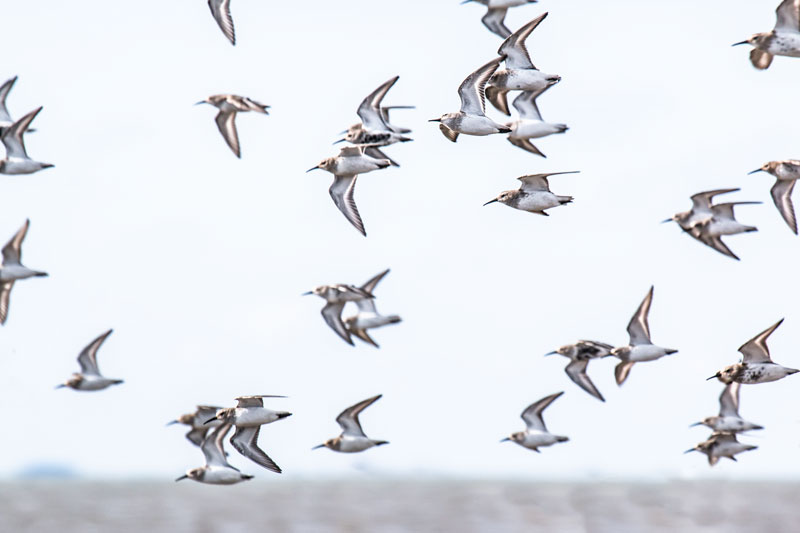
[
  {"x": 5, "y": 117},
  {"x": 728, "y": 420},
  {"x": 786, "y": 174},
  {"x": 221, "y": 11},
  {"x": 374, "y": 128},
  {"x": 640, "y": 348},
  {"x": 496, "y": 14},
  {"x": 17, "y": 160},
  {"x": 531, "y": 125},
  {"x": 579, "y": 355},
  {"x": 536, "y": 435},
  {"x": 89, "y": 378},
  {"x": 197, "y": 422},
  {"x": 534, "y": 194},
  {"x": 721, "y": 445},
  {"x": 756, "y": 365},
  {"x": 352, "y": 439},
  {"x": 13, "y": 270},
  {"x": 368, "y": 316},
  {"x": 229, "y": 105},
  {"x": 217, "y": 470},
  {"x": 783, "y": 40},
  {"x": 336, "y": 296}
]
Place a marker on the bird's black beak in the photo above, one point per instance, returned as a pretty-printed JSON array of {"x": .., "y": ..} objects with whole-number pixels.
[
  {"x": 737, "y": 44},
  {"x": 209, "y": 420},
  {"x": 754, "y": 171},
  {"x": 312, "y": 168},
  {"x": 550, "y": 353},
  {"x": 198, "y": 103},
  {"x": 505, "y": 439},
  {"x": 172, "y": 422},
  {"x": 182, "y": 477},
  {"x": 307, "y": 293},
  {"x": 666, "y": 220},
  {"x": 339, "y": 141},
  {"x": 318, "y": 447},
  {"x": 490, "y": 202},
  {"x": 714, "y": 376},
  {"x": 436, "y": 119},
  {"x": 695, "y": 424}
]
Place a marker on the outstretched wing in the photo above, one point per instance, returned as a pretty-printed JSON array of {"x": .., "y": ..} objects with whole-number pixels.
[
  {"x": 472, "y": 89},
  {"x": 348, "y": 419}
]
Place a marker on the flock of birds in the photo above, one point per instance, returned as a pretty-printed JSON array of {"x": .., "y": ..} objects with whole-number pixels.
[{"x": 705, "y": 221}]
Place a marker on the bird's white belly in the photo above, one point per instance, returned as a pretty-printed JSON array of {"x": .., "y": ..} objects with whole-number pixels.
[
  {"x": 354, "y": 444},
  {"x": 731, "y": 424},
  {"x": 785, "y": 43},
  {"x": 646, "y": 352},
  {"x": 532, "y": 129},
  {"x": 221, "y": 475},
  {"x": 15, "y": 272},
  {"x": 537, "y": 439},
  {"x": 538, "y": 201},
  {"x": 255, "y": 416},
  {"x": 476, "y": 125},
  {"x": 725, "y": 227},
  {"x": 522, "y": 80},
  {"x": 91, "y": 383},
  {"x": 350, "y": 166},
  {"x": 21, "y": 166}
]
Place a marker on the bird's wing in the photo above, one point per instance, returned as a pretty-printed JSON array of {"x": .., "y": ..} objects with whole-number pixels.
[
  {"x": 245, "y": 441},
  {"x": 5, "y": 297},
  {"x": 715, "y": 242},
  {"x": 88, "y": 357},
  {"x": 332, "y": 313},
  {"x": 370, "y": 109},
  {"x": 12, "y": 136},
  {"x": 638, "y": 327},
  {"x": 226, "y": 122},
  {"x": 525, "y": 104},
  {"x": 343, "y": 193},
  {"x": 348, "y": 419},
  {"x": 12, "y": 251},
  {"x": 4, "y": 90},
  {"x": 538, "y": 182},
  {"x": 532, "y": 415},
  {"x": 212, "y": 446},
  {"x": 493, "y": 19},
  {"x": 513, "y": 48},
  {"x": 755, "y": 350},
  {"x": 782, "y": 196},
  {"x": 471, "y": 90},
  {"x": 370, "y": 285},
  {"x": 729, "y": 400},
  {"x": 788, "y": 16},
  {"x": 576, "y": 371},
  {"x": 702, "y": 200},
  {"x": 221, "y": 10},
  {"x": 526, "y": 145}
]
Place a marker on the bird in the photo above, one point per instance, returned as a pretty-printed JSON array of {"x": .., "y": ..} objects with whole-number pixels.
[
  {"x": 707, "y": 223},
  {"x": 640, "y": 347},
  {"x": 345, "y": 167},
  {"x": 471, "y": 119},
  {"x": 519, "y": 74},
  {"x": 530, "y": 124},
  {"x": 579, "y": 355},
  {"x": 89, "y": 378},
  {"x": 352, "y": 438},
  {"x": 368, "y": 316},
  {"x": 13, "y": 270},
  {"x": 229, "y": 105},
  {"x": 756, "y": 365},
  {"x": 783, "y": 40},
  {"x": 728, "y": 420},
  {"x": 496, "y": 14},
  {"x": 221, "y": 11},
  {"x": 217, "y": 470},
  {"x": 335, "y": 297},
  {"x": 374, "y": 128},
  {"x": 248, "y": 416},
  {"x": 536, "y": 435},
  {"x": 534, "y": 194},
  {"x": 197, "y": 421},
  {"x": 721, "y": 445},
  {"x": 786, "y": 173},
  {"x": 5, "y": 117},
  {"x": 17, "y": 160}
]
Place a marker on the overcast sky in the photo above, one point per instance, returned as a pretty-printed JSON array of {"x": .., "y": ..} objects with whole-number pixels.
[{"x": 148, "y": 224}]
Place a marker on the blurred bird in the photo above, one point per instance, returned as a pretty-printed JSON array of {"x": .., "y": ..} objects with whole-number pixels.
[
  {"x": 472, "y": 119},
  {"x": 519, "y": 74},
  {"x": 335, "y": 297},
  {"x": 579, "y": 355},
  {"x": 229, "y": 105},
  {"x": 346, "y": 167},
  {"x": 783, "y": 40},
  {"x": 756, "y": 365},
  {"x": 533, "y": 195},
  {"x": 5, "y": 117},
  {"x": 374, "y": 128},
  {"x": 221, "y": 11},
  {"x": 786, "y": 173},
  {"x": 728, "y": 420},
  {"x": 536, "y": 435},
  {"x": 496, "y": 14},
  {"x": 197, "y": 421},
  {"x": 89, "y": 378},
  {"x": 368, "y": 316},
  {"x": 721, "y": 445},
  {"x": 217, "y": 470},
  {"x": 17, "y": 160},
  {"x": 352, "y": 438},
  {"x": 12, "y": 269},
  {"x": 530, "y": 125},
  {"x": 640, "y": 348}
]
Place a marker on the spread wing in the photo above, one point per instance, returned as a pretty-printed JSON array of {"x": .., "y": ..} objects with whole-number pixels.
[
  {"x": 245, "y": 441},
  {"x": 729, "y": 400},
  {"x": 12, "y": 251},
  {"x": 88, "y": 357},
  {"x": 702, "y": 200},
  {"x": 12, "y": 136},
  {"x": 4, "y": 90},
  {"x": 332, "y": 313},
  {"x": 525, "y": 104},
  {"x": 254, "y": 401},
  {"x": 5, "y": 298},
  {"x": 715, "y": 242},
  {"x": 221, "y": 10},
  {"x": 364, "y": 336},
  {"x": 532, "y": 415},
  {"x": 576, "y": 371},
  {"x": 226, "y": 123},
  {"x": 788, "y": 16},
  {"x": 538, "y": 182},
  {"x": 782, "y": 196},
  {"x": 638, "y": 327},
  {"x": 526, "y": 145},
  {"x": 726, "y": 210},
  {"x": 755, "y": 350},
  {"x": 343, "y": 193},
  {"x": 197, "y": 435},
  {"x": 493, "y": 19},
  {"x": 370, "y": 109},
  {"x": 348, "y": 419},
  {"x": 212, "y": 446},
  {"x": 513, "y": 48},
  {"x": 471, "y": 90},
  {"x": 370, "y": 285}
]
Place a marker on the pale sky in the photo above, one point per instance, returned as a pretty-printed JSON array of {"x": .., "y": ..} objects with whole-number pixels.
[{"x": 148, "y": 224}]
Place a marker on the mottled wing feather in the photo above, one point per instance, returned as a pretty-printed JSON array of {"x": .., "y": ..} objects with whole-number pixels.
[
  {"x": 471, "y": 90},
  {"x": 782, "y": 196},
  {"x": 221, "y": 10},
  {"x": 226, "y": 122},
  {"x": 342, "y": 192}
]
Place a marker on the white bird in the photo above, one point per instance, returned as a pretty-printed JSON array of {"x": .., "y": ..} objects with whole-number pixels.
[
  {"x": 368, "y": 316},
  {"x": 536, "y": 435},
  {"x": 721, "y": 445},
  {"x": 217, "y": 470},
  {"x": 640, "y": 348},
  {"x": 728, "y": 420},
  {"x": 229, "y": 105},
  {"x": 756, "y": 365},
  {"x": 346, "y": 167},
  {"x": 534, "y": 194},
  {"x": 17, "y": 160},
  {"x": 374, "y": 128},
  {"x": 352, "y": 439},
  {"x": 786, "y": 174},
  {"x": 472, "y": 119},
  {"x": 197, "y": 421},
  {"x": 579, "y": 355},
  {"x": 221, "y": 11},
  {"x": 13, "y": 269},
  {"x": 336, "y": 296},
  {"x": 530, "y": 125},
  {"x": 89, "y": 378},
  {"x": 496, "y": 14},
  {"x": 519, "y": 74},
  {"x": 783, "y": 40}
]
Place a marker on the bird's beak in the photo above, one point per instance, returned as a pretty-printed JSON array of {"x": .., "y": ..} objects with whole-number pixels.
[
  {"x": 695, "y": 424},
  {"x": 666, "y": 220},
  {"x": 172, "y": 422},
  {"x": 505, "y": 439},
  {"x": 198, "y": 103},
  {"x": 714, "y": 376},
  {"x": 689, "y": 450},
  {"x": 60, "y": 386},
  {"x": 436, "y": 119},
  {"x": 307, "y": 293},
  {"x": 209, "y": 420},
  {"x": 754, "y": 171},
  {"x": 318, "y": 447},
  {"x": 490, "y": 202},
  {"x": 737, "y": 44},
  {"x": 466, "y": 2},
  {"x": 550, "y": 353},
  {"x": 312, "y": 168},
  {"x": 339, "y": 141},
  {"x": 182, "y": 477}
]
